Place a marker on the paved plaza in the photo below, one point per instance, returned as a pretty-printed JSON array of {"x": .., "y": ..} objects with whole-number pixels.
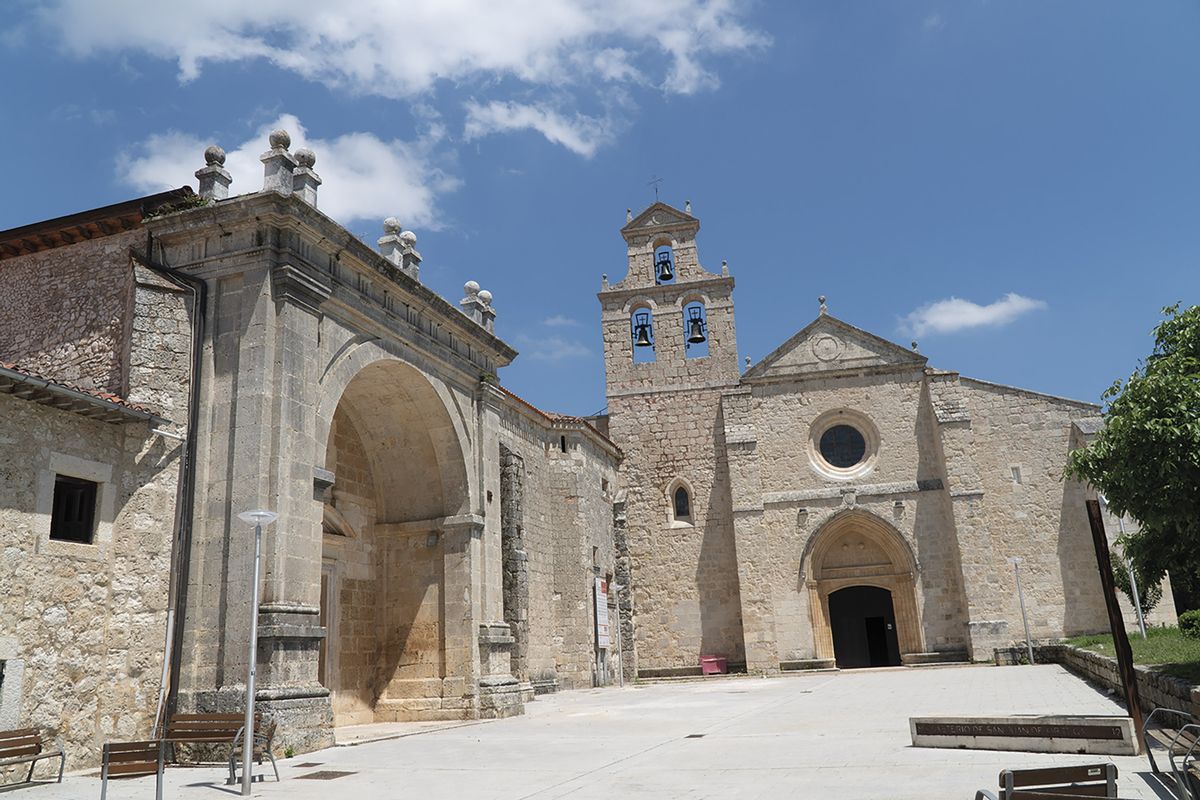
[{"x": 836, "y": 735}]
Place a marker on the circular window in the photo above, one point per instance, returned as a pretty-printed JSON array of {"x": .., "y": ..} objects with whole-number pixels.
[{"x": 843, "y": 446}]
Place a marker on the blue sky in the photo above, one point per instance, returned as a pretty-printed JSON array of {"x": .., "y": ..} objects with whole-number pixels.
[{"x": 1016, "y": 184}]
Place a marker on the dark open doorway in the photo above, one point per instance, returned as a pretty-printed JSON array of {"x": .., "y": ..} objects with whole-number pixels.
[{"x": 864, "y": 627}]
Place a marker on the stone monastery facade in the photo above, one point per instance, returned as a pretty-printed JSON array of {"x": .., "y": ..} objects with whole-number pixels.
[{"x": 443, "y": 548}]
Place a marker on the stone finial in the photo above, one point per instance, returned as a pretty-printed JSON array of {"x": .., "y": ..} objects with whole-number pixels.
[
  {"x": 604, "y": 281},
  {"x": 214, "y": 178},
  {"x": 304, "y": 180},
  {"x": 687, "y": 206},
  {"x": 278, "y": 164},
  {"x": 471, "y": 288},
  {"x": 629, "y": 215},
  {"x": 724, "y": 267},
  {"x": 914, "y": 345},
  {"x": 396, "y": 246},
  {"x": 408, "y": 238},
  {"x": 391, "y": 226},
  {"x": 822, "y": 308},
  {"x": 747, "y": 362},
  {"x": 485, "y": 297}
]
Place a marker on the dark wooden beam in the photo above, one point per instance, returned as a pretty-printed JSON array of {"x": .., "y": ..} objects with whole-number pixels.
[{"x": 1116, "y": 620}]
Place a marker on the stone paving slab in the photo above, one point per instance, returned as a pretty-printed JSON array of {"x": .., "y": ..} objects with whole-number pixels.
[{"x": 840, "y": 735}]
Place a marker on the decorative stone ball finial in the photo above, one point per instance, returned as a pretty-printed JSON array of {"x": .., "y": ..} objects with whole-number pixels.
[
  {"x": 747, "y": 361},
  {"x": 823, "y": 308},
  {"x": 409, "y": 238},
  {"x": 471, "y": 288},
  {"x": 629, "y": 215},
  {"x": 485, "y": 297},
  {"x": 687, "y": 206},
  {"x": 306, "y": 158},
  {"x": 280, "y": 138},
  {"x": 214, "y": 156},
  {"x": 391, "y": 226},
  {"x": 914, "y": 345}
]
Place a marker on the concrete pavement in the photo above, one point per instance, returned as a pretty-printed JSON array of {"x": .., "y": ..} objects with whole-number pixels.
[{"x": 836, "y": 735}]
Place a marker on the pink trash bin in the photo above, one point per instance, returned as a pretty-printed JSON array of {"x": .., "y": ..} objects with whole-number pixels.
[{"x": 713, "y": 665}]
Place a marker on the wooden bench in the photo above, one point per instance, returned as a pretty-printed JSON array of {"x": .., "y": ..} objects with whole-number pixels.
[
  {"x": 1055, "y": 783},
  {"x": 26, "y": 746},
  {"x": 1169, "y": 735},
  {"x": 133, "y": 760},
  {"x": 222, "y": 729}
]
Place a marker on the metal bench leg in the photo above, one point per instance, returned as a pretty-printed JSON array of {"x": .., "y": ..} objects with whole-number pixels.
[
  {"x": 274, "y": 766},
  {"x": 158, "y": 776},
  {"x": 104, "y": 775},
  {"x": 62, "y": 764}
]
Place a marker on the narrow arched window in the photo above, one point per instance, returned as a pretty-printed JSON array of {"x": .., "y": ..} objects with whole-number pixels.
[
  {"x": 695, "y": 330},
  {"x": 664, "y": 264},
  {"x": 683, "y": 504},
  {"x": 641, "y": 328}
]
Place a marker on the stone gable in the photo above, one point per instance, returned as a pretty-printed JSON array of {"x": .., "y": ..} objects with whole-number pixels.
[{"x": 826, "y": 345}]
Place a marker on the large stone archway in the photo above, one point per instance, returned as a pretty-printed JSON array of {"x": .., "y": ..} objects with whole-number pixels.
[
  {"x": 858, "y": 549},
  {"x": 391, "y": 550}
]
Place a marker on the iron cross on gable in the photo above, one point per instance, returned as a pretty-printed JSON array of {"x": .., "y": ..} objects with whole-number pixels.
[{"x": 655, "y": 181}]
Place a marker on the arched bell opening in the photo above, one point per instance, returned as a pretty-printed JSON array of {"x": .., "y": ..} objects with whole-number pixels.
[
  {"x": 664, "y": 263},
  {"x": 398, "y": 472},
  {"x": 695, "y": 330},
  {"x": 858, "y": 551},
  {"x": 641, "y": 327}
]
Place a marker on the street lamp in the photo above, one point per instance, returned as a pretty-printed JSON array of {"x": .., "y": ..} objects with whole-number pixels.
[
  {"x": 259, "y": 518},
  {"x": 1137, "y": 600},
  {"x": 1016, "y": 562}
]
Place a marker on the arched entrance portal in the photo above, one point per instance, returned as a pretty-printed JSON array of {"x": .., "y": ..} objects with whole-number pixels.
[
  {"x": 863, "y": 623},
  {"x": 398, "y": 474},
  {"x": 861, "y": 578}
]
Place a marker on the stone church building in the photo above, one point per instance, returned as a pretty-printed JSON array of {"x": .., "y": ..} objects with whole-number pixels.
[
  {"x": 840, "y": 502},
  {"x": 444, "y": 549}
]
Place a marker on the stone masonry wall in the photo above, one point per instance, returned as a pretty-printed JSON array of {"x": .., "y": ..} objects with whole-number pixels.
[
  {"x": 82, "y": 625},
  {"x": 566, "y": 513},
  {"x": 685, "y": 579},
  {"x": 1040, "y": 518},
  {"x": 64, "y": 312}
]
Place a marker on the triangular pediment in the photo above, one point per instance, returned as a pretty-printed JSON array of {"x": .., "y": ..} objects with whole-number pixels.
[
  {"x": 828, "y": 344},
  {"x": 660, "y": 215}
]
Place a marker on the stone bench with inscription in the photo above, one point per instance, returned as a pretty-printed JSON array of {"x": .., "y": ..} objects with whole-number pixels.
[{"x": 1113, "y": 736}]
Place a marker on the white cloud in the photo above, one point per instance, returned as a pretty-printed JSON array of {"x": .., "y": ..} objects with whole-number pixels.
[
  {"x": 364, "y": 177},
  {"x": 956, "y": 314},
  {"x": 552, "y": 349},
  {"x": 566, "y": 49},
  {"x": 404, "y": 49},
  {"x": 934, "y": 22},
  {"x": 579, "y": 134},
  {"x": 560, "y": 321}
]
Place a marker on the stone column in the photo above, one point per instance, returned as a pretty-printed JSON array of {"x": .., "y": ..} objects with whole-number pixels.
[{"x": 460, "y": 613}]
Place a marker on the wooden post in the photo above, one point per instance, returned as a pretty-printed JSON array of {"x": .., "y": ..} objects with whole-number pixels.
[{"x": 1115, "y": 620}]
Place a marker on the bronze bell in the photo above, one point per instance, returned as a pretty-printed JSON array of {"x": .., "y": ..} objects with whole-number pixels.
[
  {"x": 641, "y": 331},
  {"x": 665, "y": 273},
  {"x": 695, "y": 326}
]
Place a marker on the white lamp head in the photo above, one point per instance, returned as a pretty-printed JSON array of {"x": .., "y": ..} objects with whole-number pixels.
[{"x": 259, "y": 516}]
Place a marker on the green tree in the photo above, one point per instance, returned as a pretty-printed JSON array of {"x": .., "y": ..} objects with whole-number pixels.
[
  {"x": 1149, "y": 590},
  {"x": 1146, "y": 458}
]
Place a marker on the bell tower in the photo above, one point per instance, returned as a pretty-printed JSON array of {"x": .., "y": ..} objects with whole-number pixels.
[
  {"x": 670, "y": 353},
  {"x": 668, "y": 324}
]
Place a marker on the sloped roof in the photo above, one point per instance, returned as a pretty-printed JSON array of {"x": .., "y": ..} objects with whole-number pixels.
[
  {"x": 90, "y": 403},
  {"x": 659, "y": 215}
]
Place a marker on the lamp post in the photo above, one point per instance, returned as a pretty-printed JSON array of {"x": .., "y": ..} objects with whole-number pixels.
[
  {"x": 1137, "y": 599},
  {"x": 1016, "y": 562},
  {"x": 259, "y": 518}
]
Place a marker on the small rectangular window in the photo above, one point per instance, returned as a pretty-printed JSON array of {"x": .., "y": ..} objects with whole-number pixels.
[
  {"x": 562, "y": 443},
  {"x": 1016, "y": 473},
  {"x": 73, "y": 518}
]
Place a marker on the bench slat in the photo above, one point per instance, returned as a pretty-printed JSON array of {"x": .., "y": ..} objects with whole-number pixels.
[
  {"x": 1166, "y": 736},
  {"x": 18, "y": 733},
  {"x": 1088, "y": 773},
  {"x": 141, "y": 754},
  {"x": 186, "y": 717},
  {"x": 132, "y": 768},
  {"x": 25, "y": 750}
]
